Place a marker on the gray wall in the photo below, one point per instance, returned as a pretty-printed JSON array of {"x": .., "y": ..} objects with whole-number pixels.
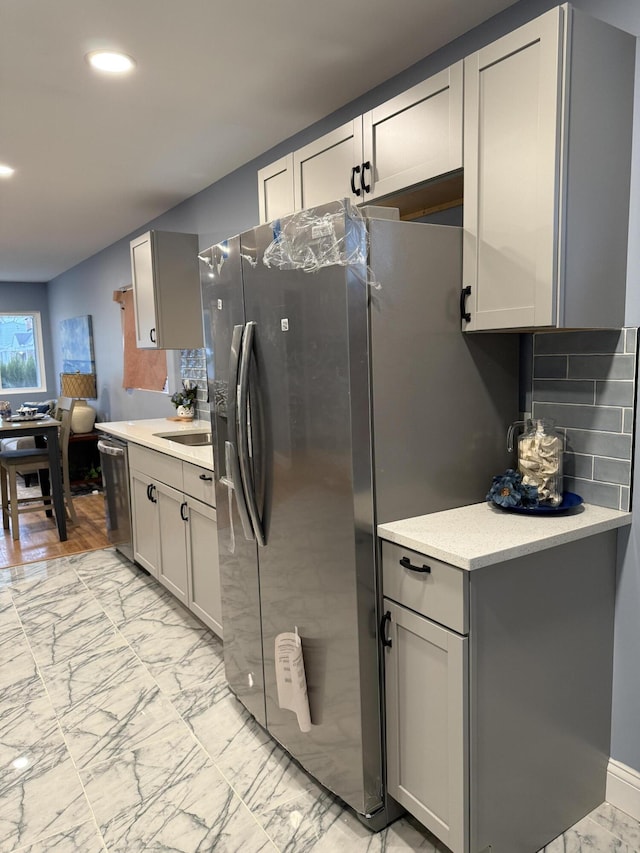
[
  {"x": 231, "y": 205},
  {"x": 22, "y": 297}
]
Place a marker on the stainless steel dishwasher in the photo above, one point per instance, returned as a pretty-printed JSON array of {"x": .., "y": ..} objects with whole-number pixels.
[{"x": 114, "y": 461}]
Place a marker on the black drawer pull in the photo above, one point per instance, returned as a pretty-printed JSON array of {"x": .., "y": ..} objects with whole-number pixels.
[
  {"x": 206, "y": 478},
  {"x": 464, "y": 314},
  {"x": 383, "y": 625},
  {"x": 366, "y": 188},
  {"x": 405, "y": 562},
  {"x": 355, "y": 190}
]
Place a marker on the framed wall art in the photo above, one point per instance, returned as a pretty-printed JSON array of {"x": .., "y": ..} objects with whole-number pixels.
[{"x": 76, "y": 342}]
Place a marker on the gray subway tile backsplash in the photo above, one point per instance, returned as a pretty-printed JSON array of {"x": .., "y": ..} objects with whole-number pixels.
[
  {"x": 578, "y": 465},
  {"x": 601, "y": 494},
  {"x": 564, "y": 391},
  {"x": 614, "y": 393},
  {"x": 614, "y": 445},
  {"x": 631, "y": 340},
  {"x": 612, "y": 470},
  {"x": 587, "y": 342},
  {"x": 627, "y": 421},
  {"x": 586, "y": 382},
  {"x": 550, "y": 366},
  {"x": 600, "y": 418},
  {"x": 601, "y": 366}
]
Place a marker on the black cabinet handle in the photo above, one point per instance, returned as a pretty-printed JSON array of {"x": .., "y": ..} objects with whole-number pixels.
[
  {"x": 152, "y": 494},
  {"x": 152, "y": 335},
  {"x": 183, "y": 507},
  {"x": 366, "y": 188},
  {"x": 354, "y": 189},
  {"x": 464, "y": 314},
  {"x": 206, "y": 478},
  {"x": 383, "y": 629},
  {"x": 405, "y": 562},
  {"x": 149, "y": 492}
]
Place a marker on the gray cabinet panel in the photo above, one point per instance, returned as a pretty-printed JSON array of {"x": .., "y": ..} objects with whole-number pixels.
[{"x": 427, "y": 739}]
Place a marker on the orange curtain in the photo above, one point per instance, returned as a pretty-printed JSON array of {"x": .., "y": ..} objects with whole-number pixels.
[{"x": 143, "y": 368}]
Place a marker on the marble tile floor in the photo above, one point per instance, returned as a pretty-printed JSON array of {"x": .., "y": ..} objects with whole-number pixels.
[{"x": 118, "y": 733}]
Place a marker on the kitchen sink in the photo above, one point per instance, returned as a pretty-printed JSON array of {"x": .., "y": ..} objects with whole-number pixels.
[{"x": 191, "y": 439}]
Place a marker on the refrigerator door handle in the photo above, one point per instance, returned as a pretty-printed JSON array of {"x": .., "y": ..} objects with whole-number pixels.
[
  {"x": 233, "y": 480},
  {"x": 232, "y": 466},
  {"x": 243, "y": 433},
  {"x": 232, "y": 393}
]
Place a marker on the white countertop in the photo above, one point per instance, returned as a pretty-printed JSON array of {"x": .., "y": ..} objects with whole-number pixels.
[
  {"x": 479, "y": 535},
  {"x": 144, "y": 432}
]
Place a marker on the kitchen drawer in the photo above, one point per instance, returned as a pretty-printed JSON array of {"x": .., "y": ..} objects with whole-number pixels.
[
  {"x": 157, "y": 466},
  {"x": 198, "y": 482},
  {"x": 441, "y": 594}
]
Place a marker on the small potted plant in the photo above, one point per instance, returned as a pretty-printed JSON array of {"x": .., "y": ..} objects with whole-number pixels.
[{"x": 184, "y": 400}]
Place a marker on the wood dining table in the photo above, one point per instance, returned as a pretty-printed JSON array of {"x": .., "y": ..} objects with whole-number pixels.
[{"x": 47, "y": 428}]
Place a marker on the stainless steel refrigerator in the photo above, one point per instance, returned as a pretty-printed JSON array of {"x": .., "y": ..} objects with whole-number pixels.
[{"x": 343, "y": 394}]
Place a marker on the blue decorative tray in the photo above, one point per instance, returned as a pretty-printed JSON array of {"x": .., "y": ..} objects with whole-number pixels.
[{"x": 569, "y": 501}]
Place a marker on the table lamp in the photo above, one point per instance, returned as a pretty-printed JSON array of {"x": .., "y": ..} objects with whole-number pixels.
[{"x": 81, "y": 386}]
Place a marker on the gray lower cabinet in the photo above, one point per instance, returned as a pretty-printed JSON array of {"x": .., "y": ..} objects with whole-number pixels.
[
  {"x": 146, "y": 527},
  {"x": 426, "y": 703},
  {"x": 202, "y": 554},
  {"x": 174, "y": 569},
  {"x": 498, "y": 692},
  {"x": 175, "y": 531}
]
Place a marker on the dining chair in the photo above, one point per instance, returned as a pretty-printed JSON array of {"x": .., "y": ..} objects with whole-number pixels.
[{"x": 36, "y": 459}]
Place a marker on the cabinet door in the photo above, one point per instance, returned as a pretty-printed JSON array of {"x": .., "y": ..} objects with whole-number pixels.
[
  {"x": 144, "y": 517},
  {"x": 204, "y": 570},
  {"x": 426, "y": 670},
  {"x": 415, "y": 136},
  {"x": 141, "y": 251},
  {"x": 511, "y": 149},
  {"x": 275, "y": 189},
  {"x": 172, "y": 517},
  {"x": 324, "y": 169}
]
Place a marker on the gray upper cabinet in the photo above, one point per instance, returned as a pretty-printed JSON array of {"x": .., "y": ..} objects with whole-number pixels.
[
  {"x": 166, "y": 290},
  {"x": 547, "y": 152},
  {"x": 324, "y": 170},
  {"x": 275, "y": 189},
  {"x": 415, "y": 136},
  {"x": 406, "y": 141}
]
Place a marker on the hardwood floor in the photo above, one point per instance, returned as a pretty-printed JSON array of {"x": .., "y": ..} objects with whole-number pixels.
[{"x": 39, "y": 535}]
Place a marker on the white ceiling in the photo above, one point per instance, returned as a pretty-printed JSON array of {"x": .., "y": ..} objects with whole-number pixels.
[{"x": 216, "y": 85}]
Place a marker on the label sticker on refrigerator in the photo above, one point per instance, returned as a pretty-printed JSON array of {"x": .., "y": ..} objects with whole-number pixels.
[
  {"x": 322, "y": 229},
  {"x": 284, "y": 325},
  {"x": 291, "y": 680}
]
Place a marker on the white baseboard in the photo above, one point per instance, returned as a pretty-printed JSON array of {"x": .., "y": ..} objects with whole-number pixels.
[{"x": 623, "y": 788}]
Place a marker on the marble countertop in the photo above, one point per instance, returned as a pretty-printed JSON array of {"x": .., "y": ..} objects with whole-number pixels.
[
  {"x": 479, "y": 535},
  {"x": 145, "y": 432}
]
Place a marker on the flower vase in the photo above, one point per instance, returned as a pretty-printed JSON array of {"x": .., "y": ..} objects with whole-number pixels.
[{"x": 185, "y": 413}]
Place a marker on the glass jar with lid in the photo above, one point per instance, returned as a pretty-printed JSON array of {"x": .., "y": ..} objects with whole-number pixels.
[{"x": 540, "y": 449}]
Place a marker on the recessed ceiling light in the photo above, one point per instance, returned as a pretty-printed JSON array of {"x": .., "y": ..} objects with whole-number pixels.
[
  {"x": 6, "y": 171},
  {"x": 110, "y": 61}
]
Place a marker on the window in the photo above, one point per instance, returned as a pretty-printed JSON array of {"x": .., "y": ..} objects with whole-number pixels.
[{"x": 21, "y": 360}]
